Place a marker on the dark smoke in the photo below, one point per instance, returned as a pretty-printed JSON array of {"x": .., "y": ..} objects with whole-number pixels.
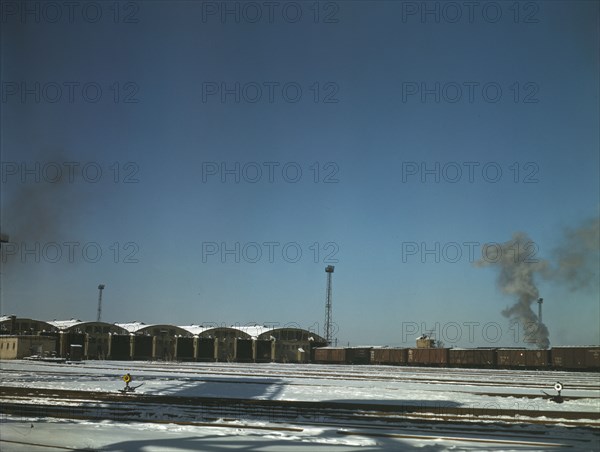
[
  {"x": 574, "y": 262},
  {"x": 32, "y": 212},
  {"x": 578, "y": 257},
  {"x": 518, "y": 266}
]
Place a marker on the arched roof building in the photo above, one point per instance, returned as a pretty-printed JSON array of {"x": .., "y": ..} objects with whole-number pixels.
[
  {"x": 220, "y": 332},
  {"x": 154, "y": 329},
  {"x": 79, "y": 326},
  {"x": 260, "y": 332},
  {"x": 289, "y": 332},
  {"x": 10, "y": 324}
]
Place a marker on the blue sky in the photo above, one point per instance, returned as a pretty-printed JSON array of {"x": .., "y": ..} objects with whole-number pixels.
[{"x": 366, "y": 65}]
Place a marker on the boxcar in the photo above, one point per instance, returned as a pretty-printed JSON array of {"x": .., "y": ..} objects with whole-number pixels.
[
  {"x": 395, "y": 356},
  {"x": 472, "y": 357},
  {"x": 336, "y": 355},
  {"x": 576, "y": 358},
  {"x": 592, "y": 358},
  {"x": 428, "y": 356},
  {"x": 330, "y": 355},
  {"x": 358, "y": 355},
  {"x": 523, "y": 358}
]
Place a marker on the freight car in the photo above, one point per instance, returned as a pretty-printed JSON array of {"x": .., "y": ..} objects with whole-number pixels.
[
  {"x": 515, "y": 358},
  {"x": 339, "y": 355},
  {"x": 472, "y": 357},
  {"x": 576, "y": 358},
  {"x": 428, "y": 356},
  {"x": 330, "y": 355},
  {"x": 393, "y": 356},
  {"x": 358, "y": 355}
]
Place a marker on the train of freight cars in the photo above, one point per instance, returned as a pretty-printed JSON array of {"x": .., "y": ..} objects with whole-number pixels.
[{"x": 559, "y": 358}]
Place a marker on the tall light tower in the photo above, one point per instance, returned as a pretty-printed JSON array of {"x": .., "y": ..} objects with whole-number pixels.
[
  {"x": 100, "y": 289},
  {"x": 539, "y": 302},
  {"x": 328, "y": 318}
]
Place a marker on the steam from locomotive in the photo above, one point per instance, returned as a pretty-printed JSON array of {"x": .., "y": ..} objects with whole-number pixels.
[
  {"x": 518, "y": 266},
  {"x": 575, "y": 262}
]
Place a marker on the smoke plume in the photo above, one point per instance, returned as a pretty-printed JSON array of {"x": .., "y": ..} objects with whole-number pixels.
[
  {"x": 518, "y": 267},
  {"x": 574, "y": 262},
  {"x": 37, "y": 211},
  {"x": 578, "y": 256}
]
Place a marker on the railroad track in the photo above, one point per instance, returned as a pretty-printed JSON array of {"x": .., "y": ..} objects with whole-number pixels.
[
  {"x": 373, "y": 372},
  {"x": 485, "y": 428},
  {"x": 57, "y": 402},
  {"x": 474, "y": 436},
  {"x": 423, "y": 420},
  {"x": 481, "y": 427},
  {"x": 429, "y": 376}
]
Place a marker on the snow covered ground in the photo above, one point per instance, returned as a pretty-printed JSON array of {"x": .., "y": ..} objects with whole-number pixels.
[
  {"x": 29, "y": 435},
  {"x": 438, "y": 389},
  {"x": 369, "y": 384}
]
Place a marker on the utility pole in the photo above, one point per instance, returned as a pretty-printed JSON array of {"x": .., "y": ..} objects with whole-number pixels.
[{"x": 328, "y": 314}]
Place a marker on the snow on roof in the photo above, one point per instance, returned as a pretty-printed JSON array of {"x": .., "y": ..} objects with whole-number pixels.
[
  {"x": 252, "y": 331},
  {"x": 135, "y": 327},
  {"x": 132, "y": 327},
  {"x": 4, "y": 318},
  {"x": 255, "y": 330},
  {"x": 65, "y": 324},
  {"x": 196, "y": 329}
]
